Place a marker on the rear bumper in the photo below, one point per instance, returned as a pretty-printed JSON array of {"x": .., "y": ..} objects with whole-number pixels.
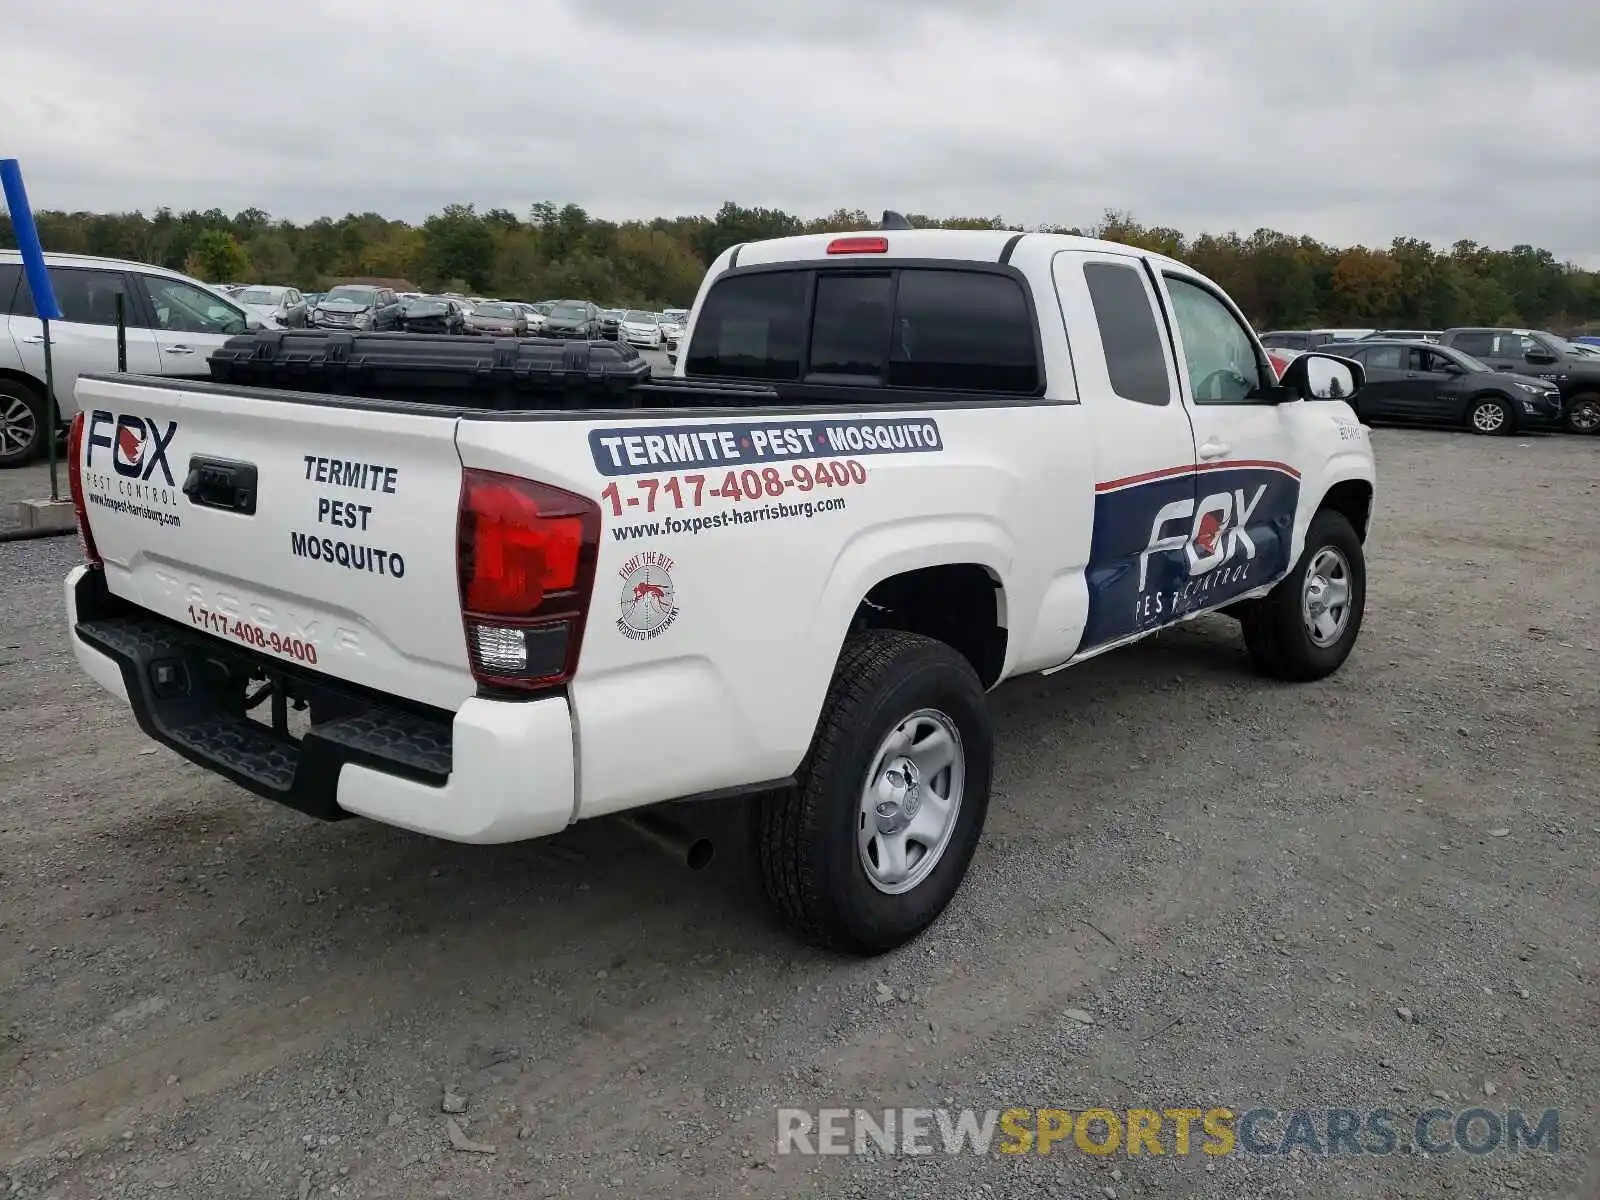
[{"x": 494, "y": 771}]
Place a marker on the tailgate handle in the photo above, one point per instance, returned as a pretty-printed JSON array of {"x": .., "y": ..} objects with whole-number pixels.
[{"x": 221, "y": 483}]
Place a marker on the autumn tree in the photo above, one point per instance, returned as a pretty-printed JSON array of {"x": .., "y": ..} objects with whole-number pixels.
[{"x": 217, "y": 258}]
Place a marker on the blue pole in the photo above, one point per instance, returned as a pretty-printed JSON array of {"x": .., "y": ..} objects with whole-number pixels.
[{"x": 44, "y": 296}]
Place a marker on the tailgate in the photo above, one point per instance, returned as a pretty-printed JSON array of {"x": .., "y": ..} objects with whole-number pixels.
[{"x": 319, "y": 534}]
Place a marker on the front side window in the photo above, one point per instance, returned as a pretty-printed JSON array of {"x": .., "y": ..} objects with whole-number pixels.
[
  {"x": 181, "y": 308},
  {"x": 1218, "y": 350},
  {"x": 1135, "y": 358}
]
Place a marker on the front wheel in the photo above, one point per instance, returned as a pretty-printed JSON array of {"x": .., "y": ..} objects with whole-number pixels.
[
  {"x": 1583, "y": 413},
  {"x": 1306, "y": 627},
  {"x": 1491, "y": 416},
  {"x": 873, "y": 841}
]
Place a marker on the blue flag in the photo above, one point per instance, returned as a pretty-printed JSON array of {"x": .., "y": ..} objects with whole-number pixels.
[{"x": 44, "y": 296}]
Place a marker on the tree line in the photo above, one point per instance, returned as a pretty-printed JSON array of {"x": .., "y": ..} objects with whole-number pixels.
[{"x": 1281, "y": 281}]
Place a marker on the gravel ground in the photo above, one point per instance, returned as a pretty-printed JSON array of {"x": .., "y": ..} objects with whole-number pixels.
[
  {"x": 31, "y": 482},
  {"x": 1195, "y": 888}
]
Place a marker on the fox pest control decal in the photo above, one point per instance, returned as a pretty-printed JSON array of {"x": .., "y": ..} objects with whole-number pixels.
[
  {"x": 349, "y": 504},
  {"x": 131, "y": 474},
  {"x": 1174, "y": 542},
  {"x": 649, "y": 602}
]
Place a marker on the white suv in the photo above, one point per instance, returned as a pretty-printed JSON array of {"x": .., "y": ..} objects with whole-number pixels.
[{"x": 173, "y": 323}]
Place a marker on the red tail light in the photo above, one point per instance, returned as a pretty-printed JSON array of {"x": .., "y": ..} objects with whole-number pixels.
[
  {"x": 859, "y": 245},
  {"x": 75, "y": 483},
  {"x": 525, "y": 556}
]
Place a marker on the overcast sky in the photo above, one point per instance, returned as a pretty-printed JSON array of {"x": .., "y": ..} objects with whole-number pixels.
[{"x": 1351, "y": 120}]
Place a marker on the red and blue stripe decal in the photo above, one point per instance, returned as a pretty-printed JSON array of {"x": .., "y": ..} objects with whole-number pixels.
[{"x": 1175, "y": 541}]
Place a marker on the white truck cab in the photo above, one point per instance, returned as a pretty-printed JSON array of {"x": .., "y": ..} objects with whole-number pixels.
[{"x": 896, "y": 468}]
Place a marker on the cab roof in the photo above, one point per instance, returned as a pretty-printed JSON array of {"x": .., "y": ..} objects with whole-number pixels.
[{"x": 957, "y": 245}]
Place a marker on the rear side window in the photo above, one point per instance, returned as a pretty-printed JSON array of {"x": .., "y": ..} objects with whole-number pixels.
[
  {"x": 1474, "y": 343},
  {"x": 1388, "y": 358},
  {"x": 752, "y": 327},
  {"x": 1135, "y": 358},
  {"x": 86, "y": 297},
  {"x": 10, "y": 280},
  {"x": 963, "y": 331}
]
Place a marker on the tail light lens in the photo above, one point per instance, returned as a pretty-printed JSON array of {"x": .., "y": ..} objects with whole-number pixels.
[
  {"x": 75, "y": 483},
  {"x": 525, "y": 557}
]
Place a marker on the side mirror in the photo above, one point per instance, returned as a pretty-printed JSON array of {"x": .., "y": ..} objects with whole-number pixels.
[
  {"x": 1317, "y": 376},
  {"x": 1541, "y": 356}
]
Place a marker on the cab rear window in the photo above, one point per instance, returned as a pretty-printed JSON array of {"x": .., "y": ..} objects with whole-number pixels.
[{"x": 917, "y": 328}]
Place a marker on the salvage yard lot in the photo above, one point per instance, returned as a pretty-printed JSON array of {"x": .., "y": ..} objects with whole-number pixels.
[{"x": 1240, "y": 883}]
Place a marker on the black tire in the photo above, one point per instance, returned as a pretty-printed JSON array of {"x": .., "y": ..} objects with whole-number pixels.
[
  {"x": 1275, "y": 628},
  {"x": 1491, "y": 416},
  {"x": 22, "y": 431},
  {"x": 806, "y": 836},
  {"x": 1583, "y": 413}
]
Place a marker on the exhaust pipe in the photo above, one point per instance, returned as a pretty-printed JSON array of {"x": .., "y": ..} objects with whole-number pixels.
[{"x": 695, "y": 851}]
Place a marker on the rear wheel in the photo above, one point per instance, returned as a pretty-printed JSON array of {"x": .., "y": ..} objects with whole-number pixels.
[
  {"x": 1490, "y": 415},
  {"x": 874, "y": 840},
  {"x": 22, "y": 431},
  {"x": 1583, "y": 413},
  {"x": 1306, "y": 627}
]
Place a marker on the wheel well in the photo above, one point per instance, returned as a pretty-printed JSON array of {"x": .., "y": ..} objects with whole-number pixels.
[
  {"x": 1353, "y": 498},
  {"x": 28, "y": 381},
  {"x": 959, "y": 604}
]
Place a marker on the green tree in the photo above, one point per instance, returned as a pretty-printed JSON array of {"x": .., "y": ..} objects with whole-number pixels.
[{"x": 217, "y": 258}]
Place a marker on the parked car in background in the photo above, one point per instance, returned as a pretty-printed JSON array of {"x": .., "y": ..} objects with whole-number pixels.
[
  {"x": 283, "y": 306},
  {"x": 432, "y": 314},
  {"x": 357, "y": 306},
  {"x": 1587, "y": 349},
  {"x": 572, "y": 319},
  {"x": 610, "y": 319},
  {"x": 498, "y": 318},
  {"x": 1542, "y": 355},
  {"x": 671, "y": 329},
  {"x": 680, "y": 315},
  {"x": 534, "y": 317},
  {"x": 1299, "y": 339},
  {"x": 1404, "y": 335},
  {"x": 1408, "y": 381},
  {"x": 171, "y": 324},
  {"x": 312, "y": 300},
  {"x": 640, "y": 328}
]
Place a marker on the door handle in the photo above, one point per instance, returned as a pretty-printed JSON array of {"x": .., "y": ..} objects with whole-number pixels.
[
  {"x": 33, "y": 339},
  {"x": 1211, "y": 448},
  {"x": 176, "y": 350}
]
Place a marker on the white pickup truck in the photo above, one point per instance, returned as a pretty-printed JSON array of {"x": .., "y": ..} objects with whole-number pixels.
[{"x": 899, "y": 467}]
